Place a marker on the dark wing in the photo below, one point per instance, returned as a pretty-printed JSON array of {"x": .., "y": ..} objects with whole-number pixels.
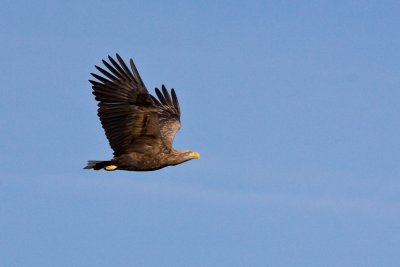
[
  {"x": 126, "y": 110},
  {"x": 169, "y": 114}
]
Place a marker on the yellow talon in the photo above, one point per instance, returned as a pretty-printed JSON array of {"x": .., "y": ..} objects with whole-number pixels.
[{"x": 110, "y": 167}]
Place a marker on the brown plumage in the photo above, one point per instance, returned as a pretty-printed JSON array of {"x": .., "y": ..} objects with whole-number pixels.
[{"x": 139, "y": 127}]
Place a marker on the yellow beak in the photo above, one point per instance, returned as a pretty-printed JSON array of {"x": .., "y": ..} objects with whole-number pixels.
[{"x": 195, "y": 155}]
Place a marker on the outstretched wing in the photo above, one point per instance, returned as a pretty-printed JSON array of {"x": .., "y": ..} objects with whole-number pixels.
[
  {"x": 126, "y": 110},
  {"x": 169, "y": 114}
]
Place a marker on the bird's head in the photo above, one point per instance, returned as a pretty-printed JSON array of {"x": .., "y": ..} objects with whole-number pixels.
[{"x": 181, "y": 156}]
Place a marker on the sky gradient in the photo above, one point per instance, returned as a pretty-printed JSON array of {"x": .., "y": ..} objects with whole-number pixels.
[{"x": 293, "y": 105}]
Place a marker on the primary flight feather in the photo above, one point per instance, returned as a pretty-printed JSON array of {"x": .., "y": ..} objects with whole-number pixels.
[{"x": 139, "y": 127}]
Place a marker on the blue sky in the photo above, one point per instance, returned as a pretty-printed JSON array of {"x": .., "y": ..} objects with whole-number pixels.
[{"x": 293, "y": 105}]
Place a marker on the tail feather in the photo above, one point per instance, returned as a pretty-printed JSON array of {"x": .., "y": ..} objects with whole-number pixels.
[{"x": 96, "y": 164}]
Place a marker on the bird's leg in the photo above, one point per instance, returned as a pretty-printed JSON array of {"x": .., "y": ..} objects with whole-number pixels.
[{"x": 111, "y": 167}]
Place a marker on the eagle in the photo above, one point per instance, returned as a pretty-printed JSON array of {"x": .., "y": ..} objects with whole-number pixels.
[{"x": 140, "y": 127}]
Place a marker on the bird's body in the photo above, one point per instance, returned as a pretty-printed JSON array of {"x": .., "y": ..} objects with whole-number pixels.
[
  {"x": 140, "y": 128},
  {"x": 136, "y": 161}
]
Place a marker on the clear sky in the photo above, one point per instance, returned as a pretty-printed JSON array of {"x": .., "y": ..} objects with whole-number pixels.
[{"x": 293, "y": 105}]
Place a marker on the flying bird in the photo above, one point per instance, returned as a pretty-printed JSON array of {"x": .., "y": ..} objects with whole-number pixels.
[{"x": 139, "y": 127}]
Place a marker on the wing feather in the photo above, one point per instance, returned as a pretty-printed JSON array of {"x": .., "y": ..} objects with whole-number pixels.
[
  {"x": 126, "y": 109},
  {"x": 168, "y": 113}
]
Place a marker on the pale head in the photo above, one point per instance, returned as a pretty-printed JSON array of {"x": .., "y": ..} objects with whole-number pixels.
[{"x": 180, "y": 156}]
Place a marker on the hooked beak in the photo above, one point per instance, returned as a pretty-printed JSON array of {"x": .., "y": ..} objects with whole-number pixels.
[{"x": 195, "y": 155}]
